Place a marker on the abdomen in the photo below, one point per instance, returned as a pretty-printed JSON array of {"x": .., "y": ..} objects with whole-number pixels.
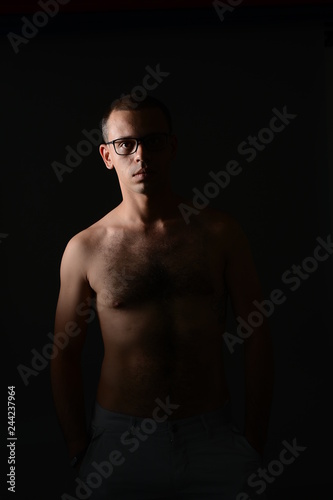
[{"x": 162, "y": 348}]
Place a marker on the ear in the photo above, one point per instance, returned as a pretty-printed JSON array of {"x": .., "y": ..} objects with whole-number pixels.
[{"x": 105, "y": 152}]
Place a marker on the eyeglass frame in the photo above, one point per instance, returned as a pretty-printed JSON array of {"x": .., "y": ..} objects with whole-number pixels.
[{"x": 139, "y": 140}]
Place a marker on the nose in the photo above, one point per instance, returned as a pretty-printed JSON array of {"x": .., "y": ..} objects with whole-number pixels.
[{"x": 141, "y": 154}]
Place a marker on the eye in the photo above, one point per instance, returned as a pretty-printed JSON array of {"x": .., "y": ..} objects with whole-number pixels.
[
  {"x": 154, "y": 141},
  {"x": 126, "y": 145}
]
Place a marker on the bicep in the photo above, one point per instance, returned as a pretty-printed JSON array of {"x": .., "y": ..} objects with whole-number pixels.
[{"x": 74, "y": 292}]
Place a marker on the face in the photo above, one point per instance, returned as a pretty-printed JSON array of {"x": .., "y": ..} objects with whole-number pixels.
[{"x": 145, "y": 170}]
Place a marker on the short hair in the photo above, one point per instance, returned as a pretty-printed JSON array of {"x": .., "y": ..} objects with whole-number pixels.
[{"x": 128, "y": 103}]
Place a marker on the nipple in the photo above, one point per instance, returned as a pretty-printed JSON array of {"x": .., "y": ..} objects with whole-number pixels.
[{"x": 117, "y": 304}]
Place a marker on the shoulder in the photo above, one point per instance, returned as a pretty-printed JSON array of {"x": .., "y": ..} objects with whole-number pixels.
[
  {"x": 209, "y": 219},
  {"x": 193, "y": 215},
  {"x": 86, "y": 242},
  {"x": 221, "y": 223},
  {"x": 224, "y": 231}
]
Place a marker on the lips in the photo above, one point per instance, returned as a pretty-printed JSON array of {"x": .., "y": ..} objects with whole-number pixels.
[{"x": 143, "y": 171}]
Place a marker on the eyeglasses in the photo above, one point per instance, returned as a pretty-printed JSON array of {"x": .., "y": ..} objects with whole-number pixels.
[{"x": 129, "y": 145}]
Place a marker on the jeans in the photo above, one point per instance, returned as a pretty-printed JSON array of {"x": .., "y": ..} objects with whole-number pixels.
[{"x": 202, "y": 457}]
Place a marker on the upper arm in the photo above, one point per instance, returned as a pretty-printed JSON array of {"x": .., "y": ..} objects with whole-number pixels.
[
  {"x": 241, "y": 276},
  {"x": 74, "y": 291}
]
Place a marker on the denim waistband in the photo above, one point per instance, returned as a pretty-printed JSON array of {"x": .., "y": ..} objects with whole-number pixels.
[{"x": 160, "y": 419}]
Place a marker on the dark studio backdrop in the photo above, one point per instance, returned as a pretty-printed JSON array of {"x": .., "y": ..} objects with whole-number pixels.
[{"x": 223, "y": 80}]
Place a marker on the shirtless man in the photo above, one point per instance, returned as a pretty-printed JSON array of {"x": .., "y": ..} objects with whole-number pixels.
[{"x": 161, "y": 287}]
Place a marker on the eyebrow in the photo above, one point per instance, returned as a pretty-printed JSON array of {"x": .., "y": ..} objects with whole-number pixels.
[
  {"x": 140, "y": 137},
  {"x": 121, "y": 138},
  {"x": 125, "y": 137}
]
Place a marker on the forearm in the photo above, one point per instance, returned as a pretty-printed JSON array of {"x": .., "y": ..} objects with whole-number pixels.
[
  {"x": 67, "y": 387},
  {"x": 259, "y": 380}
]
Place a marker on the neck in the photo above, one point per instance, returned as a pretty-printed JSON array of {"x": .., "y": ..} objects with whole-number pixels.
[{"x": 149, "y": 209}]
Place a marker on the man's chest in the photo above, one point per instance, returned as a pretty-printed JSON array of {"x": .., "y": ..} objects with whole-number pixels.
[{"x": 134, "y": 270}]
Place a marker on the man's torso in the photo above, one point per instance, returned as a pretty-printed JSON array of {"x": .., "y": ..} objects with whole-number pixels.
[{"x": 161, "y": 303}]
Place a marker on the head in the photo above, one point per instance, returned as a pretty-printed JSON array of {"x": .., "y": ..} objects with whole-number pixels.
[{"x": 147, "y": 168}]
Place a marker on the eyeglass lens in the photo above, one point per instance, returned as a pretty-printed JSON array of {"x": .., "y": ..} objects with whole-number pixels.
[{"x": 153, "y": 142}]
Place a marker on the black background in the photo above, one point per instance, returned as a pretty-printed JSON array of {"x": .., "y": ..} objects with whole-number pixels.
[{"x": 225, "y": 79}]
